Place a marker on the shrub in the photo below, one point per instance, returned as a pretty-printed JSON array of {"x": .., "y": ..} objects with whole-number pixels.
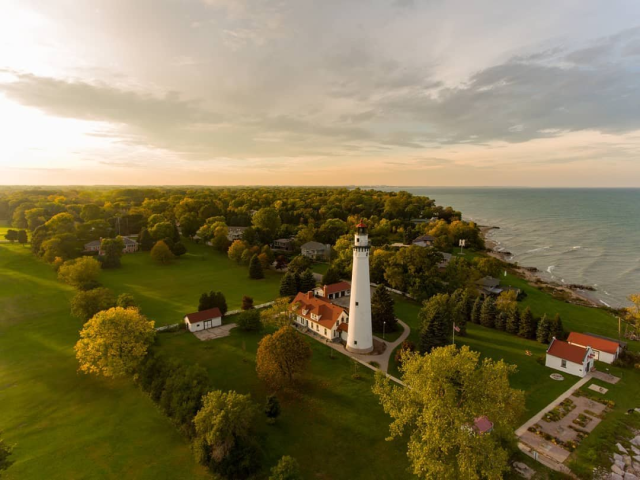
[{"x": 249, "y": 321}]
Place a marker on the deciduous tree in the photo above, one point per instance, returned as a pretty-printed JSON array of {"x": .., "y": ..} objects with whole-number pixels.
[
  {"x": 281, "y": 357},
  {"x": 22, "y": 237},
  {"x": 5, "y": 455},
  {"x": 161, "y": 253},
  {"x": 112, "y": 249},
  {"x": 446, "y": 391},
  {"x": 126, "y": 300},
  {"x": 247, "y": 303},
  {"x": 86, "y": 304},
  {"x": 286, "y": 469},
  {"x": 255, "y": 268},
  {"x": 79, "y": 272},
  {"x": 114, "y": 342},
  {"x": 11, "y": 235},
  {"x": 272, "y": 408},
  {"x": 249, "y": 321},
  {"x": 277, "y": 315}
]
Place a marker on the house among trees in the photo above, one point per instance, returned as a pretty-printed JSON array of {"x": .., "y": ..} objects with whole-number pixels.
[
  {"x": 320, "y": 316},
  {"x": 235, "y": 233},
  {"x": 446, "y": 258},
  {"x": 203, "y": 320},
  {"x": 130, "y": 246},
  {"x": 424, "y": 241},
  {"x": 333, "y": 291},
  {"x": 316, "y": 250},
  {"x": 605, "y": 349},
  {"x": 482, "y": 425},
  {"x": 489, "y": 286},
  {"x": 572, "y": 359},
  {"x": 284, "y": 244}
]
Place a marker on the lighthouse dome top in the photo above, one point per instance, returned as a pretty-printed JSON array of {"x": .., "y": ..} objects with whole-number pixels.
[{"x": 361, "y": 225}]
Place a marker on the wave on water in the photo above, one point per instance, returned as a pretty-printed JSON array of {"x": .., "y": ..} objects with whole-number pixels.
[
  {"x": 605, "y": 303},
  {"x": 550, "y": 269},
  {"x": 539, "y": 249}
]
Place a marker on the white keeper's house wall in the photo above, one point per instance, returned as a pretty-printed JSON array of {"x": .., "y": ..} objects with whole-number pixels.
[{"x": 570, "y": 367}]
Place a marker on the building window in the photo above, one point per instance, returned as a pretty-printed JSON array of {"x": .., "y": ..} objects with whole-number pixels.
[
  {"x": 563, "y": 364},
  {"x": 356, "y": 304},
  {"x": 325, "y": 331}
]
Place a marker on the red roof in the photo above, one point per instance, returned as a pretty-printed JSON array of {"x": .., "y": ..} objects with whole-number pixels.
[
  {"x": 336, "y": 287},
  {"x": 343, "y": 327},
  {"x": 566, "y": 351},
  {"x": 204, "y": 315},
  {"x": 326, "y": 313},
  {"x": 482, "y": 424},
  {"x": 361, "y": 225},
  {"x": 596, "y": 343}
]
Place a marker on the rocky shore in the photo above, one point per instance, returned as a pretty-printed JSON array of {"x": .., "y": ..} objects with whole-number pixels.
[{"x": 571, "y": 293}]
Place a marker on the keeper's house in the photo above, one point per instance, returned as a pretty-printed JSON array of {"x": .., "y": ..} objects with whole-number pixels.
[
  {"x": 568, "y": 358},
  {"x": 334, "y": 290},
  {"x": 203, "y": 320},
  {"x": 606, "y": 350},
  {"x": 321, "y": 316}
]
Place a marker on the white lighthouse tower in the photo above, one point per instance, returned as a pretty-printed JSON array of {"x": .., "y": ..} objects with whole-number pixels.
[{"x": 360, "y": 336}]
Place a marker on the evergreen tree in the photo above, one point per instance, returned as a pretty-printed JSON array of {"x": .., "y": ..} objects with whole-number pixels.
[
  {"x": 475, "y": 311},
  {"x": 307, "y": 282},
  {"x": 247, "y": 303},
  {"x": 383, "y": 318},
  {"x": 527, "y": 324},
  {"x": 433, "y": 317},
  {"x": 488, "y": 313},
  {"x": 178, "y": 249},
  {"x": 255, "y": 268},
  {"x": 145, "y": 240},
  {"x": 288, "y": 286},
  {"x": 331, "y": 276},
  {"x": 544, "y": 328},
  {"x": 220, "y": 301},
  {"x": 461, "y": 310},
  {"x": 212, "y": 300},
  {"x": 513, "y": 320},
  {"x": 556, "y": 330},
  {"x": 205, "y": 302},
  {"x": 272, "y": 408},
  {"x": 501, "y": 321}
]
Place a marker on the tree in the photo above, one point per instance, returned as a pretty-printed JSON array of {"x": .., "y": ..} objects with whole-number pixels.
[
  {"x": 255, "y": 268},
  {"x": 475, "y": 311},
  {"x": 288, "y": 285},
  {"x": 213, "y": 300},
  {"x": 223, "y": 425},
  {"x": 179, "y": 249},
  {"x": 433, "y": 319},
  {"x": 632, "y": 313},
  {"x": 247, "y": 303},
  {"x": 220, "y": 242},
  {"x": 113, "y": 250},
  {"x": 527, "y": 324},
  {"x": 11, "y": 235},
  {"x": 281, "y": 357},
  {"x": 488, "y": 266},
  {"x": 488, "y": 313},
  {"x": 267, "y": 220},
  {"x": 5, "y": 454},
  {"x": 331, "y": 276},
  {"x": 461, "y": 309},
  {"x": 307, "y": 281},
  {"x": 86, "y": 304},
  {"x": 64, "y": 245},
  {"x": 79, "y": 272},
  {"x": 264, "y": 260},
  {"x": 556, "y": 330},
  {"x": 189, "y": 224},
  {"x": 278, "y": 314},
  {"x": 506, "y": 300},
  {"x": 236, "y": 250},
  {"x": 249, "y": 321},
  {"x": 445, "y": 392},
  {"x": 161, "y": 230},
  {"x": 161, "y": 253},
  {"x": 383, "y": 317},
  {"x": 145, "y": 240},
  {"x": 513, "y": 320},
  {"x": 286, "y": 469},
  {"x": 114, "y": 342},
  {"x": 245, "y": 258},
  {"x": 126, "y": 300},
  {"x": 407, "y": 345},
  {"x": 272, "y": 408},
  {"x": 22, "y": 237},
  {"x": 299, "y": 264},
  {"x": 544, "y": 329},
  {"x": 501, "y": 321}
]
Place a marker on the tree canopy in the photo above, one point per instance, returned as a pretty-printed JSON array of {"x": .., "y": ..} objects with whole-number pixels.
[{"x": 281, "y": 357}]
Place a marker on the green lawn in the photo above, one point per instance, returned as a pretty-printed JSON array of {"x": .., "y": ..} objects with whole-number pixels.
[
  {"x": 64, "y": 424},
  {"x": 166, "y": 293},
  {"x": 320, "y": 268},
  {"x": 334, "y": 426}
]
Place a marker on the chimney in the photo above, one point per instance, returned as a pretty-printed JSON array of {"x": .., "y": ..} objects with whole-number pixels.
[{"x": 310, "y": 294}]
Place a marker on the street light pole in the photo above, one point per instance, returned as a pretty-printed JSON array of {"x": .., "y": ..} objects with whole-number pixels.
[{"x": 384, "y": 324}]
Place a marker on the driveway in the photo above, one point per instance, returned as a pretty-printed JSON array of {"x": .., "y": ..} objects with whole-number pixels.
[{"x": 216, "y": 332}]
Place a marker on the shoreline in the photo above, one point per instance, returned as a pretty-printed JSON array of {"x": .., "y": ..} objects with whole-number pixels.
[{"x": 530, "y": 274}]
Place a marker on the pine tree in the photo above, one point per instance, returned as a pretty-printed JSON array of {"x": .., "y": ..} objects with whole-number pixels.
[
  {"x": 488, "y": 313},
  {"x": 205, "y": 302},
  {"x": 544, "y": 328},
  {"x": 247, "y": 303},
  {"x": 331, "y": 276},
  {"x": 434, "y": 331},
  {"x": 383, "y": 318},
  {"x": 461, "y": 311},
  {"x": 501, "y": 321},
  {"x": 255, "y": 268},
  {"x": 307, "y": 281},
  {"x": 527, "y": 324},
  {"x": 556, "y": 330},
  {"x": 475, "y": 311},
  {"x": 288, "y": 287},
  {"x": 272, "y": 408},
  {"x": 219, "y": 301},
  {"x": 513, "y": 320}
]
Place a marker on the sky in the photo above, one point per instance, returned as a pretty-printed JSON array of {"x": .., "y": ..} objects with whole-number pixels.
[{"x": 332, "y": 92}]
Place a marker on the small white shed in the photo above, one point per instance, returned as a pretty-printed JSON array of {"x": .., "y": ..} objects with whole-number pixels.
[
  {"x": 568, "y": 358},
  {"x": 203, "y": 320}
]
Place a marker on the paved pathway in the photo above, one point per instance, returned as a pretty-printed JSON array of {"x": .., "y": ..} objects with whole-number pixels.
[{"x": 216, "y": 332}]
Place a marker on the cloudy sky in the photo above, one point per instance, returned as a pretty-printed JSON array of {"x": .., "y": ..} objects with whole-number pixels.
[{"x": 331, "y": 92}]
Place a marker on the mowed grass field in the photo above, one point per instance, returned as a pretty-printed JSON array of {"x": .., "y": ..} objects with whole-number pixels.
[
  {"x": 67, "y": 425},
  {"x": 166, "y": 293},
  {"x": 333, "y": 425}
]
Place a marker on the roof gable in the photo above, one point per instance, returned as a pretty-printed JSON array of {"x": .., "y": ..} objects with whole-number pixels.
[
  {"x": 203, "y": 315},
  {"x": 324, "y": 312},
  {"x": 596, "y": 343},
  {"x": 566, "y": 351}
]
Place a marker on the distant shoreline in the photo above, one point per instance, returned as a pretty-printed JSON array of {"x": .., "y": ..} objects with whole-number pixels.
[{"x": 530, "y": 274}]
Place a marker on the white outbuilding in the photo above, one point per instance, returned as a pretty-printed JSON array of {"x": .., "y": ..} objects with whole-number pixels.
[
  {"x": 568, "y": 358},
  {"x": 203, "y": 320},
  {"x": 605, "y": 349}
]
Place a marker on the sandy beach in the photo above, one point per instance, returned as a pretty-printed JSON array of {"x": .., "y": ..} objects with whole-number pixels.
[{"x": 531, "y": 274}]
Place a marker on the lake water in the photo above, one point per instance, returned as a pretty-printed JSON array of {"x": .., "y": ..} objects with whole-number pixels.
[{"x": 585, "y": 236}]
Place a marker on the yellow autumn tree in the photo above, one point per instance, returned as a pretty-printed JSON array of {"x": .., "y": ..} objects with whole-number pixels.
[
  {"x": 79, "y": 272},
  {"x": 278, "y": 314},
  {"x": 446, "y": 391},
  {"x": 281, "y": 357},
  {"x": 633, "y": 312},
  {"x": 114, "y": 342}
]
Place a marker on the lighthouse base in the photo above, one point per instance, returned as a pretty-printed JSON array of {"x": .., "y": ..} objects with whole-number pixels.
[{"x": 359, "y": 350}]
